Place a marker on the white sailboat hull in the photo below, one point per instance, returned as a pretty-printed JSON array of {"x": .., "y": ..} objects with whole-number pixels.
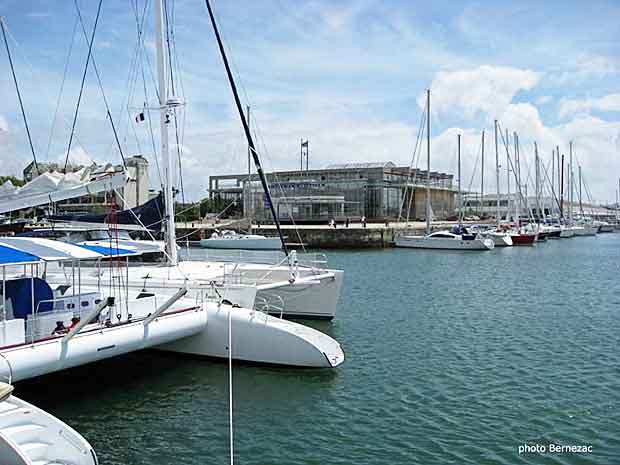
[
  {"x": 566, "y": 233},
  {"x": 260, "y": 338},
  {"x": 499, "y": 239},
  {"x": 424, "y": 242},
  {"x": 585, "y": 230}
]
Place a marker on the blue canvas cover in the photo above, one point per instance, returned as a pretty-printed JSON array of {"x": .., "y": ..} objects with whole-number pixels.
[
  {"x": 9, "y": 256},
  {"x": 19, "y": 291},
  {"x": 109, "y": 251}
]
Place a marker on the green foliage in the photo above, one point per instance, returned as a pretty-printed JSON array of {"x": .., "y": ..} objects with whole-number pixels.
[{"x": 16, "y": 182}]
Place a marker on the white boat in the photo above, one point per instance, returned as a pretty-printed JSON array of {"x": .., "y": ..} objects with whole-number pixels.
[
  {"x": 445, "y": 240},
  {"x": 31, "y": 436},
  {"x": 566, "y": 232},
  {"x": 138, "y": 317},
  {"x": 231, "y": 240}
]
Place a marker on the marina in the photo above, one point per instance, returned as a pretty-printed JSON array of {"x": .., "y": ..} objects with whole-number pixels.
[
  {"x": 465, "y": 372},
  {"x": 263, "y": 233}
]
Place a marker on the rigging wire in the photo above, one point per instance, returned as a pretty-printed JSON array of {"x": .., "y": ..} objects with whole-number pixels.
[
  {"x": 105, "y": 100},
  {"x": 19, "y": 95},
  {"x": 414, "y": 159},
  {"x": 62, "y": 87},
  {"x": 77, "y": 108}
]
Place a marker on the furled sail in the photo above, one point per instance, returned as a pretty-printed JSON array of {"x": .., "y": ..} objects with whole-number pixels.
[
  {"x": 148, "y": 215},
  {"x": 56, "y": 187}
]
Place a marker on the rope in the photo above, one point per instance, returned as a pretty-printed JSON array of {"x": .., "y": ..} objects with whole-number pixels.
[
  {"x": 19, "y": 95},
  {"x": 230, "y": 386},
  {"x": 77, "y": 107}
]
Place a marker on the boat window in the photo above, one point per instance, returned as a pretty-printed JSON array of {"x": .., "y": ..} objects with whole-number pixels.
[{"x": 443, "y": 236}]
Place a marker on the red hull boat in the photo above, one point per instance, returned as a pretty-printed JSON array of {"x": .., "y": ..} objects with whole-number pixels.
[{"x": 523, "y": 238}]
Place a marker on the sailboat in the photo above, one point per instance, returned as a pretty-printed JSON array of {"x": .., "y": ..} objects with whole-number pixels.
[{"x": 456, "y": 239}]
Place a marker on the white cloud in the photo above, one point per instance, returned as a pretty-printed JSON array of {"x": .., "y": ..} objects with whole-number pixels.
[
  {"x": 4, "y": 125},
  {"x": 486, "y": 89},
  {"x": 609, "y": 102}
]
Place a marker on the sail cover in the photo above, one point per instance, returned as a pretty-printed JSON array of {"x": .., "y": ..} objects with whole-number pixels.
[
  {"x": 56, "y": 187},
  {"x": 149, "y": 214}
]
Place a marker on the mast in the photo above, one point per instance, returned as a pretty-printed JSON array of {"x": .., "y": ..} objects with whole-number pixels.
[
  {"x": 580, "y": 202},
  {"x": 246, "y": 129},
  {"x": 458, "y": 137},
  {"x": 561, "y": 186},
  {"x": 560, "y": 178},
  {"x": 517, "y": 169},
  {"x": 507, "y": 175},
  {"x": 249, "y": 151},
  {"x": 570, "y": 182},
  {"x": 537, "y": 188},
  {"x": 497, "y": 173},
  {"x": 428, "y": 161},
  {"x": 482, "y": 179},
  {"x": 552, "y": 178},
  {"x": 164, "y": 119}
]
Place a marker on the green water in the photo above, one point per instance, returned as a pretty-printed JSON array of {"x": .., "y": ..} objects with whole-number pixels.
[{"x": 452, "y": 358}]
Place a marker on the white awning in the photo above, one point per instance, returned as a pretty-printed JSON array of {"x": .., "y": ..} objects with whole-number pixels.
[{"x": 55, "y": 187}]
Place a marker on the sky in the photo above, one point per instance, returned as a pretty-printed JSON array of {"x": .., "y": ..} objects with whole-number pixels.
[{"x": 348, "y": 76}]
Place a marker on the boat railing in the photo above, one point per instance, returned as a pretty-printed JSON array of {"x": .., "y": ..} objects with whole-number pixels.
[
  {"x": 271, "y": 304},
  {"x": 267, "y": 257}
]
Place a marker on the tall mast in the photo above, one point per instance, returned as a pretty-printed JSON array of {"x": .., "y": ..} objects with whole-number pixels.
[
  {"x": 458, "y": 137},
  {"x": 482, "y": 178},
  {"x": 164, "y": 119},
  {"x": 497, "y": 173},
  {"x": 561, "y": 185},
  {"x": 246, "y": 129},
  {"x": 560, "y": 178},
  {"x": 570, "y": 183},
  {"x": 580, "y": 202},
  {"x": 537, "y": 188},
  {"x": 552, "y": 178},
  {"x": 517, "y": 169},
  {"x": 507, "y": 175},
  {"x": 428, "y": 161}
]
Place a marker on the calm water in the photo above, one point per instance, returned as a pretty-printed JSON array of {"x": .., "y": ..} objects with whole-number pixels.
[{"x": 452, "y": 358}]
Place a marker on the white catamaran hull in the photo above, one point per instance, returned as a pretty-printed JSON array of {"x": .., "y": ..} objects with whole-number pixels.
[
  {"x": 26, "y": 361},
  {"x": 424, "y": 242},
  {"x": 312, "y": 294},
  {"x": 261, "y": 243},
  {"x": 260, "y": 338}
]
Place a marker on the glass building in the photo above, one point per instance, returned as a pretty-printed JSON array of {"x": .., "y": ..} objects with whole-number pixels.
[{"x": 377, "y": 191}]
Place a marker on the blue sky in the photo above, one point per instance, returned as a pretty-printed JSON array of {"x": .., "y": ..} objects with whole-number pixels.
[{"x": 348, "y": 75}]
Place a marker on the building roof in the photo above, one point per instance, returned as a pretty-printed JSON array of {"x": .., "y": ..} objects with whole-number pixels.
[{"x": 361, "y": 165}]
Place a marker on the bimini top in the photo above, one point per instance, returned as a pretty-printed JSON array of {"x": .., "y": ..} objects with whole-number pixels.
[
  {"x": 48, "y": 250},
  {"x": 9, "y": 256}
]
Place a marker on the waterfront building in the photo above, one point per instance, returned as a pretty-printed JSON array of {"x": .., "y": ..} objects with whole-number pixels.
[{"x": 376, "y": 191}]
